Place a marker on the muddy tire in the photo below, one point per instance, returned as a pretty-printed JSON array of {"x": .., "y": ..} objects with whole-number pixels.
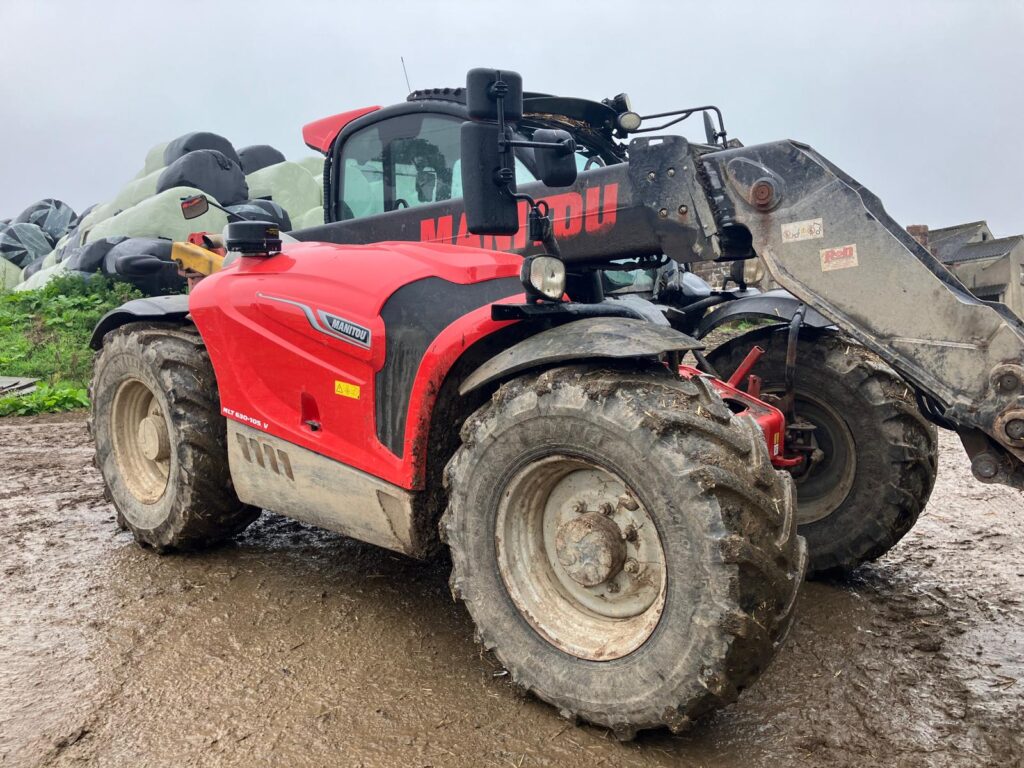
[
  {"x": 880, "y": 453},
  {"x": 580, "y": 478},
  {"x": 161, "y": 442}
]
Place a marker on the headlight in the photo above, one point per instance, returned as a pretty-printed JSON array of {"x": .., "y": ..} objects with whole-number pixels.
[
  {"x": 629, "y": 121},
  {"x": 543, "y": 277}
]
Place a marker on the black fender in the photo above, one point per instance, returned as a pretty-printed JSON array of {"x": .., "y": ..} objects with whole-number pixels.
[
  {"x": 777, "y": 305},
  {"x": 173, "y": 308},
  {"x": 616, "y": 338}
]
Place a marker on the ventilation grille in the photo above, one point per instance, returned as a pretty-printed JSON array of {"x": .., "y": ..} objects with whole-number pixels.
[{"x": 266, "y": 456}]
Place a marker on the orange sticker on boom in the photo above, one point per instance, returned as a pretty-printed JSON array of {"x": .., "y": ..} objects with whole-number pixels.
[{"x": 843, "y": 257}]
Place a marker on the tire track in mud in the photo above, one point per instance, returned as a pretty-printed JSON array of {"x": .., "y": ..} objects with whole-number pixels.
[{"x": 294, "y": 646}]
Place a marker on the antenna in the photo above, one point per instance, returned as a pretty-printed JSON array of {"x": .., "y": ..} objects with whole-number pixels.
[{"x": 402, "y": 58}]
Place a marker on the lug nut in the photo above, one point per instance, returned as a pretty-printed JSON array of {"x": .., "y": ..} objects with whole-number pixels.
[
  {"x": 607, "y": 509},
  {"x": 671, "y": 171},
  {"x": 631, "y": 566},
  {"x": 651, "y": 176},
  {"x": 985, "y": 466},
  {"x": 628, "y": 502},
  {"x": 683, "y": 210},
  {"x": 1008, "y": 382},
  {"x": 579, "y": 507},
  {"x": 1014, "y": 429},
  {"x": 630, "y": 533},
  {"x": 663, "y": 212}
]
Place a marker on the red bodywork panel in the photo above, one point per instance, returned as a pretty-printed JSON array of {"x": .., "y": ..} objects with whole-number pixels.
[
  {"x": 320, "y": 134},
  {"x": 276, "y": 370}
]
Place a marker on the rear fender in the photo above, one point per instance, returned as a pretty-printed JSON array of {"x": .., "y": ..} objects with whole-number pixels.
[
  {"x": 172, "y": 309},
  {"x": 777, "y": 305}
]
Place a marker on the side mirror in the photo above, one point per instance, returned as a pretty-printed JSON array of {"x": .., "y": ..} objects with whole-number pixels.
[
  {"x": 482, "y": 92},
  {"x": 194, "y": 207},
  {"x": 556, "y": 165},
  {"x": 490, "y": 207}
]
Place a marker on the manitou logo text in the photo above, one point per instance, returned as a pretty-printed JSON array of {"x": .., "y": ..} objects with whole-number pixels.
[
  {"x": 348, "y": 329},
  {"x": 571, "y": 213}
]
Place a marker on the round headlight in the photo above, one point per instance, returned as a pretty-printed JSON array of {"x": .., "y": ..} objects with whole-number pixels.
[
  {"x": 629, "y": 121},
  {"x": 543, "y": 277}
]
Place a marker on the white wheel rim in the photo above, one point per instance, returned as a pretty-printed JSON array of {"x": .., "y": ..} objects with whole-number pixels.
[{"x": 581, "y": 558}]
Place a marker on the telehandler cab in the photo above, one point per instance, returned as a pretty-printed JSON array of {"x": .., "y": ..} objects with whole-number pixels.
[{"x": 622, "y": 524}]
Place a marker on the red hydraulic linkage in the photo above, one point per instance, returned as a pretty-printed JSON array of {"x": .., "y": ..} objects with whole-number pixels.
[{"x": 768, "y": 417}]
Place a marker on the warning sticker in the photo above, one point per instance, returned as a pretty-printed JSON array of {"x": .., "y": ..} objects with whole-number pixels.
[
  {"x": 794, "y": 231},
  {"x": 838, "y": 258},
  {"x": 345, "y": 389}
]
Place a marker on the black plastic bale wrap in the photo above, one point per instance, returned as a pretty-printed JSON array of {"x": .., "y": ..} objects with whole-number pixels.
[
  {"x": 89, "y": 258},
  {"x": 146, "y": 263},
  {"x": 33, "y": 267},
  {"x": 52, "y": 216},
  {"x": 22, "y": 243},
  {"x": 210, "y": 171},
  {"x": 258, "y": 156},
  {"x": 191, "y": 142},
  {"x": 263, "y": 210}
]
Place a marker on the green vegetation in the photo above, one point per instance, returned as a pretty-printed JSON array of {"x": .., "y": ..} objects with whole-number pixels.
[{"x": 45, "y": 334}]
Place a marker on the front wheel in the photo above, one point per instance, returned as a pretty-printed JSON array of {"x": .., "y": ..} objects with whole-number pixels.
[
  {"x": 623, "y": 544},
  {"x": 878, "y": 455},
  {"x": 161, "y": 442}
]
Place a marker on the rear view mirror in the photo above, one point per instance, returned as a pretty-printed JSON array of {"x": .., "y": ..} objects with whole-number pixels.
[
  {"x": 482, "y": 94},
  {"x": 194, "y": 207},
  {"x": 490, "y": 207},
  {"x": 556, "y": 165}
]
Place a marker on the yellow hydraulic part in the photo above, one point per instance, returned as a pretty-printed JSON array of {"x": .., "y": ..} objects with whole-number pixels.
[{"x": 194, "y": 260}]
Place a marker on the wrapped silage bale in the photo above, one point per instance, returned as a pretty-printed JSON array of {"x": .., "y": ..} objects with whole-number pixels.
[
  {"x": 159, "y": 216},
  {"x": 22, "y": 243},
  {"x": 314, "y": 217},
  {"x": 263, "y": 210},
  {"x": 315, "y": 165},
  {"x": 155, "y": 158},
  {"x": 10, "y": 275},
  {"x": 288, "y": 184},
  {"x": 89, "y": 258},
  {"x": 258, "y": 156},
  {"x": 42, "y": 277},
  {"x": 198, "y": 140},
  {"x": 209, "y": 171},
  {"x": 145, "y": 262},
  {"x": 98, "y": 214},
  {"x": 137, "y": 190},
  {"x": 52, "y": 216}
]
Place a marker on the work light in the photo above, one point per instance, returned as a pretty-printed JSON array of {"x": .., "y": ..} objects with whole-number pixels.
[{"x": 543, "y": 277}]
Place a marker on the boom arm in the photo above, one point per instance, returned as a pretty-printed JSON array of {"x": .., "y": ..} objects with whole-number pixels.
[{"x": 828, "y": 240}]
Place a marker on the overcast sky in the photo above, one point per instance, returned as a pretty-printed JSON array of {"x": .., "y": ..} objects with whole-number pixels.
[{"x": 922, "y": 101}]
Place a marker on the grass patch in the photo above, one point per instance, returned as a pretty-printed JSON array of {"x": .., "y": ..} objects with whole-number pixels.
[{"x": 45, "y": 334}]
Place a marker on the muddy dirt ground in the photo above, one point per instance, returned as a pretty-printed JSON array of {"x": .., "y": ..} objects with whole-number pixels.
[{"x": 296, "y": 647}]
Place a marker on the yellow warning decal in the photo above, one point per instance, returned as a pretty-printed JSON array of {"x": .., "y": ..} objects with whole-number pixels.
[{"x": 345, "y": 389}]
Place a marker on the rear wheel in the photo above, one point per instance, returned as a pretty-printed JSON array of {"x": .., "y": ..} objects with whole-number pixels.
[
  {"x": 878, "y": 454},
  {"x": 622, "y": 543},
  {"x": 161, "y": 442}
]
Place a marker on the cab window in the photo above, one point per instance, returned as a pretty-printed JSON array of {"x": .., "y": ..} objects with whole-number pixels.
[{"x": 403, "y": 162}]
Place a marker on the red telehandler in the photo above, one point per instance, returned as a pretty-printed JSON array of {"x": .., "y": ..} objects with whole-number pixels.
[{"x": 621, "y": 521}]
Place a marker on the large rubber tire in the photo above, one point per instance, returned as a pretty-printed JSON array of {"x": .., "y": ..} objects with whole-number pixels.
[
  {"x": 882, "y": 479},
  {"x": 732, "y": 560},
  {"x": 182, "y": 497}
]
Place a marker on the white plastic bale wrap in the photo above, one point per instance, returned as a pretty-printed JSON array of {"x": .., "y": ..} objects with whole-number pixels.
[
  {"x": 154, "y": 158},
  {"x": 136, "y": 191},
  {"x": 314, "y": 217},
  {"x": 288, "y": 184},
  {"x": 159, "y": 216},
  {"x": 97, "y": 215},
  {"x": 10, "y": 275},
  {"x": 42, "y": 277}
]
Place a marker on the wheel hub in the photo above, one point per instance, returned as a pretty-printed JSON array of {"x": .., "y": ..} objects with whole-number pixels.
[
  {"x": 590, "y": 548},
  {"x": 153, "y": 439}
]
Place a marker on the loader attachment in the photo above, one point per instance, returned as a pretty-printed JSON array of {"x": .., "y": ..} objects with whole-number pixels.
[{"x": 828, "y": 240}]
